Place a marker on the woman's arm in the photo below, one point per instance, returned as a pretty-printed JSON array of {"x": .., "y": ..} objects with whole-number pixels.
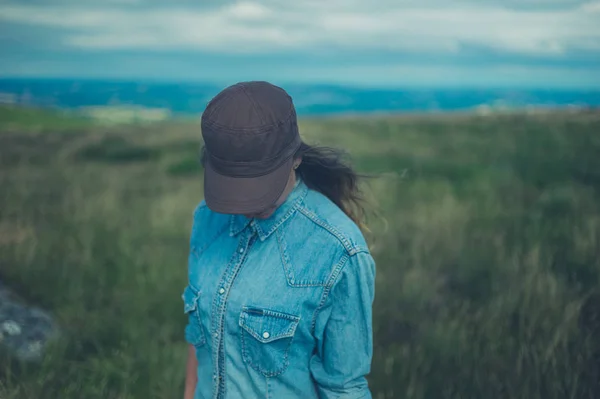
[
  {"x": 191, "y": 376},
  {"x": 344, "y": 332}
]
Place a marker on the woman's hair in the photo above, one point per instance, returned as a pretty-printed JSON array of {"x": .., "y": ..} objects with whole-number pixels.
[{"x": 323, "y": 169}]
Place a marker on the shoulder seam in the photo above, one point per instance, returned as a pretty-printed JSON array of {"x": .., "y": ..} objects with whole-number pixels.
[
  {"x": 360, "y": 250},
  {"x": 348, "y": 246}
]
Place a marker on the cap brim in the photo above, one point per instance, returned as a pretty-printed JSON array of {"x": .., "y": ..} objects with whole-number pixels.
[{"x": 242, "y": 195}]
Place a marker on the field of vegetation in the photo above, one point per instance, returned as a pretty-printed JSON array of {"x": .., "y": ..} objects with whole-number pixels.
[{"x": 487, "y": 241}]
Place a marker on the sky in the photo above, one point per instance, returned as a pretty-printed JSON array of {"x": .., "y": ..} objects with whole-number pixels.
[{"x": 431, "y": 43}]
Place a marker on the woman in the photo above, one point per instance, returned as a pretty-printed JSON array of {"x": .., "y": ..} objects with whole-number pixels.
[{"x": 281, "y": 281}]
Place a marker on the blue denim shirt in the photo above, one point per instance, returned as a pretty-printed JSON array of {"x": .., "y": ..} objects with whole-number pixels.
[{"x": 280, "y": 308}]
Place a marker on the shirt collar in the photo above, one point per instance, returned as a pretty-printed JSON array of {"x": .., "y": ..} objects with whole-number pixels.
[{"x": 266, "y": 227}]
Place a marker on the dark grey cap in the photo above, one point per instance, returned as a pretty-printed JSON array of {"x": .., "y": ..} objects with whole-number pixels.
[{"x": 250, "y": 133}]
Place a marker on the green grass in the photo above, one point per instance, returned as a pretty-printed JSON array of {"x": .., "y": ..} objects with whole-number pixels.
[
  {"x": 40, "y": 120},
  {"x": 116, "y": 149},
  {"x": 488, "y": 253}
]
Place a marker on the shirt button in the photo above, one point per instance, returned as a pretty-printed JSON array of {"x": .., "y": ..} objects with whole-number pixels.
[
  {"x": 216, "y": 335},
  {"x": 221, "y": 290},
  {"x": 241, "y": 250},
  {"x": 266, "y": 335}
]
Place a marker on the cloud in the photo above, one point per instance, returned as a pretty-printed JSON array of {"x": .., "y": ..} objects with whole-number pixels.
[
  {"x": 533, "y": 27},
  {"x": 399, "y": 42},
  {"x": 592, "y": 7}
]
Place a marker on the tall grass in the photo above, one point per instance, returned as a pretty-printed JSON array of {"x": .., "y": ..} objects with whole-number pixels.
[{"x": 488, "y": 253}]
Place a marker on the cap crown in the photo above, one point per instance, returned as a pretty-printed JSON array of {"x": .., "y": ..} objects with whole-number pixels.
[{"x": 249, "y": 129}]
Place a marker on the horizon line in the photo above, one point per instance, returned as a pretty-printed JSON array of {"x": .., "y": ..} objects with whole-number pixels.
[{"x": 314, "y": 83}]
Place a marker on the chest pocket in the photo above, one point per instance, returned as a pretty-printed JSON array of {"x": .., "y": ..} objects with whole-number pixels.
[
  {"x": 193, "y": 330},
  {"x": 266, "y": 337}
]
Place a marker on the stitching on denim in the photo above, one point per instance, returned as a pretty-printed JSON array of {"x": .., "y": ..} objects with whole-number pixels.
[
  {"x": 350, "y": 248},
  {"x": 293, "y": 209},
  {"x": 201, "y": 337},
  {"x": 289, "y": 334},
  {"x": 307, "y": 284},
  {"x": 220, "y": 310},
  {"x": 260, "y": 231},
  {"x": 288, "y": 268},
  {"x": 192, "y": 303},
  {"x": 361, "y": 250},
  {"x": 194, "y": 316},
  {"x": 289, "y": 213},
  {"x": 281, "y": 315},
  {"x": 334, "y": 275},
  {"x": 290, "y": 329},
  {"x": 247, "y": 358},
  {"x": 269, "y": 312},
  {"x": 233, "y": 230},
  {"x": 195, "y": 337}
]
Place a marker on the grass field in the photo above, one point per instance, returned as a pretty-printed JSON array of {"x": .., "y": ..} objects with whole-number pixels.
[{"x": 487, "y": 244}]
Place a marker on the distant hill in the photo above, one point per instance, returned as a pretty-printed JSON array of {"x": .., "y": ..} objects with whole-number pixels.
[{"x": 191, "y": 98}]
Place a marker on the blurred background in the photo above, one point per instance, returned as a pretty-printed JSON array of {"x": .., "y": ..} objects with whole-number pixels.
[{"x": 478, "y": 119}]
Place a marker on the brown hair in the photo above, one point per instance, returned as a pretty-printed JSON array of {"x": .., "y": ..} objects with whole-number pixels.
[{"x": 325, "y": 170}]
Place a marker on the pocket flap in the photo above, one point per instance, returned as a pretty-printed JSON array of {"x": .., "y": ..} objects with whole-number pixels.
[
  {"x": 190, "y": 299},
  {"x": 268, "y": 325}
]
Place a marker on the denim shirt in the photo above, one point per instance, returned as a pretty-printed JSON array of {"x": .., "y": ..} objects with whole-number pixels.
[{"x": 282, "y": 307}]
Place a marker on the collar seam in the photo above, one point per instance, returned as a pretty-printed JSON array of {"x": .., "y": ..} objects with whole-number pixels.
[
  {"x": 285, "y": 217},
  {"x": 233, "y": 230},
  {"x": 258, "y": 224}
]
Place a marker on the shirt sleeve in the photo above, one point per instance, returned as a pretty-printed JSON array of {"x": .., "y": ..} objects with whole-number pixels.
[{"x": 344, "y": 333}]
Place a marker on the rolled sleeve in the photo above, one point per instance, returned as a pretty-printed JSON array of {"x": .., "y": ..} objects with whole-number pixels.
[{"x": 344, "y": 333}]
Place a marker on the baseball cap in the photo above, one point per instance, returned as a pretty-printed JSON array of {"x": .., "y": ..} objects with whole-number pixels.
[{"x": 250, "y": 133}]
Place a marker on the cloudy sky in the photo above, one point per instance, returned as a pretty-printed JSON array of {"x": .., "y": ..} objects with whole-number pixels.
[{"x": 490, "y": 43}]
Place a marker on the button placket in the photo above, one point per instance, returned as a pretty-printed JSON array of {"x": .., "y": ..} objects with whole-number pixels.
[{"x": 219, "y": 308}]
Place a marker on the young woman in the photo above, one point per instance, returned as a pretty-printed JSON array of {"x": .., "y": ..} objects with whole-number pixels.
[{"x": 281, "y": 281}]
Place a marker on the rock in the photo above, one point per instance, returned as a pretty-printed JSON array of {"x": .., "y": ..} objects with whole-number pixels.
[
  {"x": 11, "y": 327},
  {"x": 24, "y": 330}
]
